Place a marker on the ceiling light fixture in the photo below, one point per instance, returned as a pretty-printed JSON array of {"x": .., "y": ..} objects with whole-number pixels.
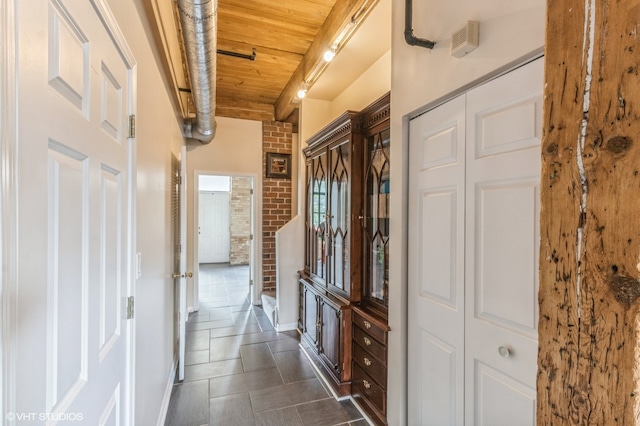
[
  {"x": 330, "y": 53},
  {"x": 350, "y": 27},
  {"x": 302, "y": 91}
]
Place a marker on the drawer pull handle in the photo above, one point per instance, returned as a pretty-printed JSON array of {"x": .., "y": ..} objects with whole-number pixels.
[
  {"x": 367, "y": 341},
  {"x": 367, "y": 325},
  {"x": 367, "y": 362},
  {"x": 366, "y": 384}
]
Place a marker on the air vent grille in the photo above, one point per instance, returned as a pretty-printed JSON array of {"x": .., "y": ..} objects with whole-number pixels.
[{"x": 466, "y": 39}]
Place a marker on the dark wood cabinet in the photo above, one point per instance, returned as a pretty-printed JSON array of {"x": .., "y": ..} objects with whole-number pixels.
[
  {"x": 332, "y": 235},
  {"x": 325, "y": 335},
  {"x": 344, "y": 284},
  {"x": 369, "y": 363},
  {"x": 330, "y": 281}
]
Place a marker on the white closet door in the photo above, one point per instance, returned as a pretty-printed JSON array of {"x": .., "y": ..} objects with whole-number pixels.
[
  {"x": 502, "y": 239},
  {"x": 473, "y": 255},
  {"x": 436, "y": 266}
]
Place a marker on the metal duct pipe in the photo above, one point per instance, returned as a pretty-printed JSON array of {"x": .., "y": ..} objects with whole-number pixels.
[
  {"x": 198, "y": 19},
  {"x": 411, "y": 39}
]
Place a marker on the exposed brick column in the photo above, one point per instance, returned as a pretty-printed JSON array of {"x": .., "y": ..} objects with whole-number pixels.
[
  {"x": 276, "y": 197},
  {"x": 240, "y": 220}
]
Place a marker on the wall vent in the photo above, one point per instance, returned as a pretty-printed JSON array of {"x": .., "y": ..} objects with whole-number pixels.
[{"x": 465, "y": 40}]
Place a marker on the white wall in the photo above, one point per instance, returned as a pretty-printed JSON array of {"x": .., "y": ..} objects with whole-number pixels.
[
  {"x": 235, "y": 150},
  {"x": 508, "y": 30},
  {"x": 158, "y": 140},
  {"x": 371, "y": 85}
]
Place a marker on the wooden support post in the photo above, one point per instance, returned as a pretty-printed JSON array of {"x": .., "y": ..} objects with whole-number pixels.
[{"x": 590, "y": 219}]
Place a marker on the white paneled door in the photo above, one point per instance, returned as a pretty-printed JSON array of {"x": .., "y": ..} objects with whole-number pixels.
[
  {"x": 473, "y": 265},
  {"x": 436, "y": 262},
  {"x": 213, "y": 228},
  {"x": 75, "y": 93}
]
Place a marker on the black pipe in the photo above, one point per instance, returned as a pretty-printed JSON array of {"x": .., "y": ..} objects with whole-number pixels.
[
  {"x": 251, "y": 57},
  {"x": 411, "y": 39}
]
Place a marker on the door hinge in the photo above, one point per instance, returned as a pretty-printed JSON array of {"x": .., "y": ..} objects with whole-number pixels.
[
  {"x": 130, "y": 307},
  {"x": 132, "y": 126},
  {"x": 251, "y": 237},
  {"x": 179, "y": 180},
  {"x": 250, "y": 282},
  {"x": 251, "y": 191}
]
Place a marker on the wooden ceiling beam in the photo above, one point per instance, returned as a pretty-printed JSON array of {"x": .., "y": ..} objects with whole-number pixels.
[
  {"x": 233, "y": 108},
  {"x": 343, "y": 14}
]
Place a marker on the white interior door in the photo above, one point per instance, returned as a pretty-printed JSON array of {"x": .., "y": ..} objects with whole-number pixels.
[
  {"x": 504, "y": 122},
  {"x": 213, "y": 227},
  {"x": 182, "y": 272},
  {"x": 76, "y": 187},
  {"x": 473, "y": 255},
  {"x": 436, "y": 265},
  {"x": 253, "y": 294}
]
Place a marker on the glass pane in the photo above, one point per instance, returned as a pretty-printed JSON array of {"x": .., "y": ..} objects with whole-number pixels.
[
  {"x": 339, "y": 216},
  {"x": 319, "y": 210},
  {"x": 377, "y": 220},
  {"x": 308, "y": 220}
]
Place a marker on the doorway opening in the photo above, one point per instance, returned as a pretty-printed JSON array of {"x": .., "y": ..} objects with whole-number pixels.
[{"x": 225, "y": 236}]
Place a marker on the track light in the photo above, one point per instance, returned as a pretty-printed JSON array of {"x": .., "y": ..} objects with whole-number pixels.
[
  {"x": 329, "y": 54},
  {"x": 302, "y": 91}
]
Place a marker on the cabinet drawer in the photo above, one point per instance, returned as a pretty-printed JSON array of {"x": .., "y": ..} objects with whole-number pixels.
[
  {"x": 371, "y": 365},
  {"x": 371, "y": 328},
  {"x": 368, "y": 388},
  {"x": 370, "y": 344}
]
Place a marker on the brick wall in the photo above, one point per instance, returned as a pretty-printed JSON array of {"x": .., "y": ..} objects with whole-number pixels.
[
  {"x": 276, "y": 197},
  {"x": 240, "y": 220}
]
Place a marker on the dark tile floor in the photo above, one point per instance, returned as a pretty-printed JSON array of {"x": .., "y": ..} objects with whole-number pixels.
[{"x": 240, "y": 371}]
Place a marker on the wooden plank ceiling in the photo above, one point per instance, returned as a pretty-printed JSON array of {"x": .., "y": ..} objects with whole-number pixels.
[{"x": 289, "y": 37}]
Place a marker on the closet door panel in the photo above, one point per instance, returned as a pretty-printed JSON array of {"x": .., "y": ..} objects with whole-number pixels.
[
  {"x": 436, "y": 266},
  {"x": 502, "y": 246}
]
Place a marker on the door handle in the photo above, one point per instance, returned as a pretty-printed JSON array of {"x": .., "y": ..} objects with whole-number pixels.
[{"x": 187, "y": 275}]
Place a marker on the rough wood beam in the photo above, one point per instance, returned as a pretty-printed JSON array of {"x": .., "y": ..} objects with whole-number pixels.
[
  {"x": 340, "y": 16},
  {"x": 590, "y": 227}
]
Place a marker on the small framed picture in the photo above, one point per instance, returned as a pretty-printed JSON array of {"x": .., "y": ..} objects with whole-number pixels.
[{"x": 278, "y": 165}]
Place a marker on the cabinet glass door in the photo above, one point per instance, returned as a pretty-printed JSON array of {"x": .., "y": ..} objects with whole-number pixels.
[
  {"x": 317, "y": 217},
  {"x": 338, "y": 217},
  {"x": 376, "y": 232}
]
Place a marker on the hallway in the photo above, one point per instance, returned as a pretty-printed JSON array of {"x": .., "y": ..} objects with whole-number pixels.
[{"x": 240, "y": 371}]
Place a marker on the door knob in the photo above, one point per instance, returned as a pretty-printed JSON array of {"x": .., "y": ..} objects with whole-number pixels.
[{"x": 504, "y": 351}]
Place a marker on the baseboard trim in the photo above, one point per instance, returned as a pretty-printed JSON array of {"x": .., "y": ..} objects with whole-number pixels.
[
  {"x": 164, "y": 408},
  {"x": 286, "y": 327}
]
